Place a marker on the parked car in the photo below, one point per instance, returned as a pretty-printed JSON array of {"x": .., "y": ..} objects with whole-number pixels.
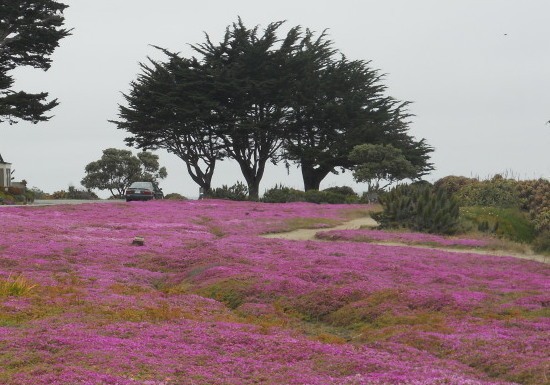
[{"x": 143, "y": 191}]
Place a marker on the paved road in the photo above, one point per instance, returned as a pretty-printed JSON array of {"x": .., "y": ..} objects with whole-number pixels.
[{"x": 51, "y": 202}]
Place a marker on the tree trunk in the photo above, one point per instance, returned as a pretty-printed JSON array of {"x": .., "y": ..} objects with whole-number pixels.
[
  {"x": 312, "y": 176},
  {"x": 252, "y": 177}
]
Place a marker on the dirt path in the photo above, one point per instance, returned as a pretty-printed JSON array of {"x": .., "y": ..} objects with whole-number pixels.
[{"x": 309, "y": 234}]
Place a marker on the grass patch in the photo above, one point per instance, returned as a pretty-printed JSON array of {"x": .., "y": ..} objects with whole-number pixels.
[
  {"x": 232, "y": 291},
  {"x": 509, "y": 223},
  {"x": 15, "y": 286}
]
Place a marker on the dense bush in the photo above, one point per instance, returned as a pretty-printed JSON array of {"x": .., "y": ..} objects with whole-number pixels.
[
  {"x": 496, "y": 192},
  {"x": 452, "y": 184},
  {"x": 332, "y": 195},
  {"x": 509, "y": 223},
  {"x": 74, "y": 193},
  {"x": 342, "y": 190},
  {"x": 282, "y": 194},
  {"x": 541, "y": 244},
  {"x": 175, "y": 196},
  {"x": 237, "y": 192},
  {"x": 535, "y": 198},
  {"x": 419, "y": 207},
  {"x": 16, "y": 195},
  {"x": 38, "y": 193}
]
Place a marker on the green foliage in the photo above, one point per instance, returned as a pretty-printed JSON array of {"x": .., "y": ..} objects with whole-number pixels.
[
  {"x": 282, "y": 194},
  {"x": 237, "y": 192},
  {"x": 175, "y": 196},
  {"x": 117, "y": 169},
  {"x": 496, "y": 192},
  {"x": 314, "y": 196},
  {"x": 419, "y": 207},
  {"x": 15, "y": 286},
  {"x": 30, "y": 33},
  {"x": 541, "y": 244},
  {"x": 332, "y": 195},
  {"x": 342, "y": 190},
  {"x": 377, "y": 162},
  {"x": 259, "y": 95},
  {"x": 16, "y": 195},
  {"x": 508, "y": 223},
  {"x": 73, "y": 193},
  {"x": 452, "y": 184},
  {"x": 535, "y": 198}
]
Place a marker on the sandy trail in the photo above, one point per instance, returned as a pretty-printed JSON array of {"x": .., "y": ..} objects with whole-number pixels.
[{"x": 309, "y": 234}]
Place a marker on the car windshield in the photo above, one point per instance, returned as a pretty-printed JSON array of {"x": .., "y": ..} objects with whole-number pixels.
[{"x": 147, "y": 185}]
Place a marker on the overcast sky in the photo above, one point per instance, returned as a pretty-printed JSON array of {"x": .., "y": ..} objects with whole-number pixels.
[{"x": 477, "y": 72}]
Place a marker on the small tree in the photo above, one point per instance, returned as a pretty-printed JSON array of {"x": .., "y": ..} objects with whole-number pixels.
[
  {"x": 378, "y": 162},
  {"x": 117, "y": 169}
]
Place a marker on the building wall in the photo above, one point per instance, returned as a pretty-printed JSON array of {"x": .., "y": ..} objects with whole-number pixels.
[{"x": 5, "y": 174}]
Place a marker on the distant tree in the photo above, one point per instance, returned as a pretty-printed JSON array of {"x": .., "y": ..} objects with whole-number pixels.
[
  {"x": 338, "y": 104},
  {"x": 30, "y": 31},
  {"x": 252, "y": 88},
  {"x": 117, "y": 169},
  {"x": 379, "y": 162},
  {"x": 256, "y": 97},
  {"x": 169, "y": 108}
]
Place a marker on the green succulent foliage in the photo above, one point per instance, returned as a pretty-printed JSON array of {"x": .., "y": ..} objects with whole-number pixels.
[
  {"x": 237, "y": 192},
  {"x": 496, "y": 192},
  {"x": 419, "y": 207},
  {"x": 282, "y": 194}
]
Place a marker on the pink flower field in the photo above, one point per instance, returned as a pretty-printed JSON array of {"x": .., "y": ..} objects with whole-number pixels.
[{"x": 207, "y": 300}]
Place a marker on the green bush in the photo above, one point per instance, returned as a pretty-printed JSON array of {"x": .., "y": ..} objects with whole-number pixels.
[
  {"x": 282, "y": 194},
  {"x": 541, "y": 244},
  {"x": 175, "y": 196},
  {"x": 237, "y": 192},
  {"x": 452, "y": 184},
  {"x": 74, "y": 193},
  {"x": 419, "y": 207},
  {"x": 496, "y": 192},
  {"x": 315, "y": 196},
  {"x": 342, "y": 190},
  {"x": 535, "y": 198},
  {"x": 509, "y": 223}
]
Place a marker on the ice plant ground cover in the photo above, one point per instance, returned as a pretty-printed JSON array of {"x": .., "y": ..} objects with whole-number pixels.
[{"x": 206, "y": 300}]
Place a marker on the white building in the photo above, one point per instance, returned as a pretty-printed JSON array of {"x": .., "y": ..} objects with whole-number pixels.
[{"x": 5, "y": 174}]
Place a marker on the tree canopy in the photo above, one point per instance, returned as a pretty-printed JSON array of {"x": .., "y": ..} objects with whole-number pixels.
[
  {"x": 30, "y": 31},
  {"x": 377, "y": 162},
  {"x": 260, "y": 96},
  {"x": 117, "y": 169}
]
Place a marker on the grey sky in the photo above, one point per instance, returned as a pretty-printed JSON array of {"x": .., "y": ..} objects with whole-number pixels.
[{"x": 477, "y": 72}]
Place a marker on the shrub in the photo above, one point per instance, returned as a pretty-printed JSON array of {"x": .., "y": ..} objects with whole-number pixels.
[
  {"x": 38, "y": 193},
  {"x": 541, "y": 244},
  {"x": 496, "y": 192},
  {"x": 237, "y": 192},
  {"x": 316, "y": 196},
  {"x": 175, "y": 196},
  {"x": 452, "y": 184},
  {"x": 282, "y": 194},
  {"x": 509, "y": 223},
  {"x": 342, "y": 190},
  {"x": 74, "y": 193},
  {"x": 535, "y": 198},
  {"x": 419, "y": 207},
  {"x": 15, "y": 286}
]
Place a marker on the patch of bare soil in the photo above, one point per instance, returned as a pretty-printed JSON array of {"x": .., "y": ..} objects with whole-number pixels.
[{"x": 309, "y": 234}]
